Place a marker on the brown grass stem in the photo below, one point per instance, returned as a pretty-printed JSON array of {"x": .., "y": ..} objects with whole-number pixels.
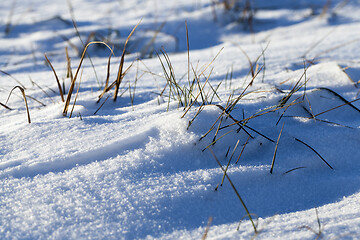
[
  {"x": 347, "y": 103},
  {"x": 77, "y": 93},
  {"x": 56, "y": 78},
  {"x": 227, "y": 166},
  {"x": 207, "y": 228},
  {"x": 235, "y": 190},
  {"x": 120, "y": 71},
  {"x": 242, "y": 150}
]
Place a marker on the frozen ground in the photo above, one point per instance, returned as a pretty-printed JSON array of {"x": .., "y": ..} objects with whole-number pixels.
[{"x": 137, "y": 169}]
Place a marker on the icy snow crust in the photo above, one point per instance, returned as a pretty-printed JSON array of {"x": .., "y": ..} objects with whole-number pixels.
[{"x": 137, "y": 169}]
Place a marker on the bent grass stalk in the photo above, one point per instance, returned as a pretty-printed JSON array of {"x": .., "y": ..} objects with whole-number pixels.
[
  {"x": 71, "y": 89},
  {"x": 24, "y": 96}
]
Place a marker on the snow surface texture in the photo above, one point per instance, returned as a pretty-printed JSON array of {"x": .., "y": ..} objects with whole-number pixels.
[{"x": 136, "y": 169}]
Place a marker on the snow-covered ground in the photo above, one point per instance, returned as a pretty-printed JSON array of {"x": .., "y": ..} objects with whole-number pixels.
[{"x": 145, "y": 167}]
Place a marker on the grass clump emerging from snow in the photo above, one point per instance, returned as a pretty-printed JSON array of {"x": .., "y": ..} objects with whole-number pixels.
[{"x": 199, "y": 93}]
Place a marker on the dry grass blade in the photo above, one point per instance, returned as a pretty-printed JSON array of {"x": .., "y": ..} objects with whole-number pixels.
[
  {"x": 312, "y": 47},
  {"x": 232, "y": 106},
  {"x": 213, "y": 143},
  {"x": 340, "y": 97},
  {"x": 252, "y": 129},
  {"x": 71, "y": 89},
  {"x": 220, "y": 116},
  {"x": 32, "y": 98},
  {"x": 242, "y": 150},
  {"x": 195, "y": 100},
  {"x": 146, "y": 48},
  {"x": 347, "y": 103},
  {"x": 235, "y": 190},
  {"x": 217, "y": 130},
  {"x": 297, "y": 168},
  {"x": 114, "y": 83},
  {"x": 24, "y": 96},
  {"x": 101, "y": 105},
  {"x": 241, "y": 124},
  {"x": 255, "y": 63},
  {"x": 207, "y": 66},
  {"x": 71, "y": 10},
  {"x": 336, "y": 47},
  {"x": 120, "y": 73},
  {"x": 1, "y": 104},
  {"x": 207, "y": 228},
  {"x": 276, "y": 147},
  {"x": 107, "y": 78},
  {"x": 286, "y": 108},
  {"x": 37, "y": 85},
  {"x": 320, "y": 228},
  {"x": 69, "y": 73},
  {"x": 296, "y": 88},
  {"x": 197, "y": 114},
  {"x": 8, "y": 74},
  {"x": 260, "y": 114},
  {"x": 174, "y": 88},
  {"x": 188, "y": 50},
  {"x": 347, "y": 75},
  {"x": 77, "y": 93},
  {"x": 57, "y": 79},
  {"x": 198, "y": 84},
  {"x": 227, "y": 166},
  {"x": 315, "y": 152}
]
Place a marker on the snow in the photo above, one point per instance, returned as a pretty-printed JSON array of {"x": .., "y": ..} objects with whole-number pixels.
[{"x": 141, "y": 169}]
